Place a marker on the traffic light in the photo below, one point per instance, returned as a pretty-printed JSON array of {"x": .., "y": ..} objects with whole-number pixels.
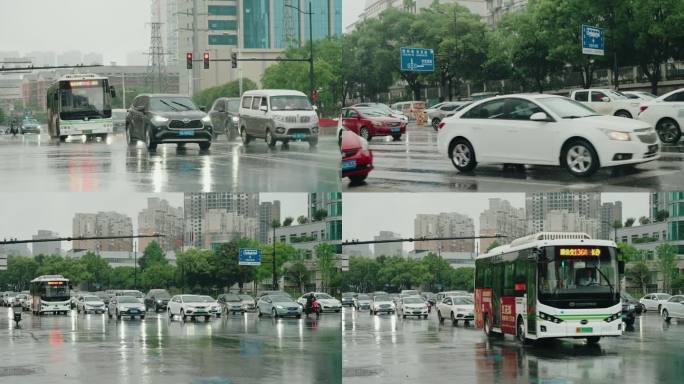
[
  {"x": 233, "y": 59},
  {"x": 189, "y": 60},
  {"x": 206, "y": 60}
]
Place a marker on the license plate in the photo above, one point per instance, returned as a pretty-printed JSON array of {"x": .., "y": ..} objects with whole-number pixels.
[
  {"x": 133, "y": 311},
  {"x": 298, "y": 136},
  {"x": 584, "y": 329},
  {"x": 348, "y": 164},
  {"x": 200, "y": 312},
  {"x": 187, "y": 132},
  {"x": 396, "y": 130}
]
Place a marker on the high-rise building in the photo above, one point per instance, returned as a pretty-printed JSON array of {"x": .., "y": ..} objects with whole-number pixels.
[
  {"x": 92, "y": 58},
  {"x": 220, "y": 226},
  {"x": 501, "y": 218},
  {"x": 252, "y": 28},
  {"x": 358, "y": 250},
  {"x": 450, "y": 224},
  {"x": 610, "y": 214},
  {"x": 387, "y": 249},
  {"x": 70, "y": 58},
  {"x": 42, "y": 58},
  {"x": 496, "y": 9},
  {"x": 268, "y": 212},
  {"x": 48, "y": 247},
  {"x": 673, "y": 203},
  {"x": 331, "y": 202},
  {"x": 564, "y": 221},
  {"x": 102, "y": 224},
  {"x": 160, "y": 217},
  {"x": 374, "y": 8},
  {"x": 538, "y": 204},
  {"x": 196, "y": 205}
]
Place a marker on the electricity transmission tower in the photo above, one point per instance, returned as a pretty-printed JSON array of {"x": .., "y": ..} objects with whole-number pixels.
[
  {"x": 156, "y": 67},
  {"x": 290, "y": 30}
]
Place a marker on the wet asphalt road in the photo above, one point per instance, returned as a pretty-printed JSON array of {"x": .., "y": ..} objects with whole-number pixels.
[
  {"x": 388, "y": 349},
  {"x": 414, "y": 165},
  {"x": 35, "y": 162},
  {"x": 92, "y": 348}
]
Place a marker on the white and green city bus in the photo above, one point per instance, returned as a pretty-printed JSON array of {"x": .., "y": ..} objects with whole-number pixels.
[
  {"x": 80, "y": 104},
  {"x": 550, "y": 285},
  {"x": 50, "y": 294}
]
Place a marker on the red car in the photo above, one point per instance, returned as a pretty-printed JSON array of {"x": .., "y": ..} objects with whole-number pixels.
[
  {"x": 369, "y": 122},
  {"x": 357, "y": 158}
]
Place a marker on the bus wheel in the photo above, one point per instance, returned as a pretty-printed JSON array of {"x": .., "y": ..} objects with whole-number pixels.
[
  {"x": 593, "y": 340},
  {"x": 62, "y": 139}
]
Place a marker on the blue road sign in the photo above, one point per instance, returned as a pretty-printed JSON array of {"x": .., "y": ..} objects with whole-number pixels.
[
  {"x": 417, "y": 60},
  {"x": 249, "y": 256},
  {"x": 592, "y": 40}
]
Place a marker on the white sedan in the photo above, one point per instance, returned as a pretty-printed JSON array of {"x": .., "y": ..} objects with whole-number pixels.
[
  {"x": 327, "y": 302},
  {"x": 666, "y": 114},
  {"x": 382, "y": 303},
  {"x": 412, "y": 306},
  {"x": 653, "y": 301},
  {"x": 544, "y": 130},
  {"x": 189, "y": 306},
  {"x": 607, "y": 102},
  {"x": 125, "y": 306},
  {"x": 90, "y": 303},
  {"x": 456, "y": 308},
  {"x": 674, "y": 307}
]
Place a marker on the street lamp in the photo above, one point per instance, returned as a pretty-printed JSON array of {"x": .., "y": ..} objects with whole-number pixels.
[
  {"x": 275, "y": 281},
  {"x": 311, "y": 54}
]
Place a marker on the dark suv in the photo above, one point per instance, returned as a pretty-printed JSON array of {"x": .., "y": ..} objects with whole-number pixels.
[
  {"x": 224, "y": 115},
  {"x": 160, "y": 119},
  {"x": 157, "y": 299}
]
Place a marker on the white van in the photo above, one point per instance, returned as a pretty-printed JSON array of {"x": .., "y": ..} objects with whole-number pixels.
[{"x": 277, "y": 115}]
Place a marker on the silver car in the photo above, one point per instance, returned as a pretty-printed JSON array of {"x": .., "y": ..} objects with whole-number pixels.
[
  {"x": 248, "y": 303},
  {"x": 436, "y": 115},
  {"x": 362, "y": 302},
  {"x": 231, "y": 303},
  {"x": 278, "y": 306},
  {"x": 90, "y": 303},
  {"x": 125, "y": 306}
]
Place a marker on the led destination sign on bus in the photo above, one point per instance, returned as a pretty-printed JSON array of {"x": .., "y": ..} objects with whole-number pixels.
[
  {"x": 55, "y": 283},
  {"x": 579, "y": 252},
  {"x": 84, "y": 83}
]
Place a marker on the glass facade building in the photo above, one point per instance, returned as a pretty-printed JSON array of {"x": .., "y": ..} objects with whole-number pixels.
[
  {"x": 255, "y": 21},
  {"x": 673, "y": 203},
  {"x": 286, "y": 31}
]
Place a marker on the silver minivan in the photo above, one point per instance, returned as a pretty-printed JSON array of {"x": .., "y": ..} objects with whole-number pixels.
[{"x": 277, "y": 115}]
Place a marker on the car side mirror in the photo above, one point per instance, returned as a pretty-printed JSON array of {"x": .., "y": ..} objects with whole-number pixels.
[
  {"x": 605, "y": 99},
  {"x": 540, "y": 116},
  {"x": 139, "y": 108},
  {"x": 203, "y": 108},
  {"x": 263, "y": 108}
]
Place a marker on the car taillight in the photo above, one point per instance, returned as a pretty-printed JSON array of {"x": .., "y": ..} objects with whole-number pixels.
[
  {"x": 441, "y": 125},
  {"x": 642, "y": 108}
]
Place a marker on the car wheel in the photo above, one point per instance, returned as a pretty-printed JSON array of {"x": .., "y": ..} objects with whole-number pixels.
[
  {"x": 206, "y": 318},
  {"x": 660, "y": 307},
  {"x": 669, "y": 131},
  {"x": 118, "y": 315},
  {"x": 425, "y": 316},
  {"x": 129, "y": 136},
  {"x": 579, "y": 158},
  {"x": 439, "y": 317},
  {"x": 151, "y": 145},
  {"x": 487, "y": 327},
  {"x": 666, "y": 315},
  {"x": 274, "y": 314},
  {"x": 403, "y": 315},
  {"x": 396, "y": 137},
  {"x": 454, "y": 321},
  {"x": 357, "y": 179},
  {"x": 170, "y": 314},
  {"x": 109, "y": 314},
  {"x": 299, "y": 316},
  {"x": 270, "y": 140},
  {"x": 463, "y": 155},
  {"x": 365, "y": 133},
  {"x": 623, "y": 113},
  {"x": 259, "y": 314},
  {"x": 593, "y": 340},
  {"x": 435, "y": 124},
  {"x": 205, "y": 145},
  {"x": 142, "y": 317},
  {"x": 244, "y": 136}
]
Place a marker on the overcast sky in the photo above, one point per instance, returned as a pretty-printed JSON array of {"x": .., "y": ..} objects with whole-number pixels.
[
  {"x": 350, "y": 11},
  {"x": 366, "y": 214},
  {"x": 112, "y": 28},
  {"x": 23, "y": 214}
]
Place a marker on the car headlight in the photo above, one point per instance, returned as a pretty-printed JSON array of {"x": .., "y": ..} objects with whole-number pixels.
[
  {"x": 235, "y": 119},
  {"x": 617, "y": 135},
  {"x": 279, "y": 307},
  {"x": 159, "y": 120},
  {"x": 631, "y": 307},
  {"x": 206, "y": 120}
]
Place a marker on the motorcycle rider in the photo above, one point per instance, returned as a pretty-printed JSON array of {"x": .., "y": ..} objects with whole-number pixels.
[
  {"x": 17, "y": 309},
  {"x": 311, "y": 305}
]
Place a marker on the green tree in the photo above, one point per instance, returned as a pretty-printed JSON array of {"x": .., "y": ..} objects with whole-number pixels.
[
  {"x": 193, "y": 269},
  {"x": 287, "y": 222},
  {"x": 629, "y": 222},
  {"x": 463, "y": 279},
  {"x": 158, "y": 275},
  {"x": 298, "y": 274},
  {"x": 152, "y": 255},
  {"x": 20, "y": 271},
  {"x": 232, "y": 89},
  {"x": 326, "y": 264},
  {"x": 639, "y": 275},
  {"x": 226, "y": 264},
  {"x": 628, "y": 253},
  {"x": 643, "y": 220},
  {"x": 3, "y": 116},
  {"x": 493, "y": 245},
  {"x": 121, "y": 278},
  {"x": 661, "y": 215},
  {"x": 302, "y": 219},
  {"x": 320, "y": 214},
  {"x": 97, "y": 271},
  {"x": 283, "y": 253},
  {"x": 667, "y": 263}
]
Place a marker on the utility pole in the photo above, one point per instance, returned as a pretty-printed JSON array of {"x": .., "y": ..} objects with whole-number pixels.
[
  {"x": 135, "y": 270},
  {"x": 195, "y": 52},
  {"x": 312, "y": 81},
  {"x": 275, "y": 282}
]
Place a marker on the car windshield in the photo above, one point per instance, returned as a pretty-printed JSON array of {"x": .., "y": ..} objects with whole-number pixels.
[
  {"x": 409, "y": 293},
  {"x": 171, "y": 104},
  {"x": 91, "y": 298},
  {"x": 347, "y": 295},
  {"x": 461, "y": 300},
  {"x": 280, "y": 299},
  {"x": 207, "y": 299},
  {"x": 324, "y": 296},
  {"x": 371, "y": 112},
  {"x": 246, "y": 297},
  {"x": 647, "y": 95},
  {"x": 566, "y": 108},
  {"x": 290, "y": 103},
  {"x": 663, "y": 296},
  {"x": 363, "y": 297},
  {"x": 412, "y": 300},
  {"x": 191, "y": 299},
  {"x": 627, "y": 296},
  {"x": 21, "y": 296},
  {"x": 127, "y": 299},
  {"x": 233, "y": 105},
  {"x": 231, "y": 298},
  {"x": 134, "y": 294},
  {"x": 382, "y": 298},
  {"x": 162, "y": 295}
]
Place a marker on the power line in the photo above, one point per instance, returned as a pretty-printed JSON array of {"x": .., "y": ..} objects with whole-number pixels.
[
  {"x": 411, "y": 239},
  {"x": 78, "y": 238},
  {"x": 30, "y": 68}
]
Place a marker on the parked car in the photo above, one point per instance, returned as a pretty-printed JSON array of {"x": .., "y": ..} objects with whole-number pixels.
[
  {"x": 327, "y": 302},
  {"x": 607, "y": 102},
  {"x": 347, "y": 299},
  {"x": 626, "y": 297},
  {"x": 639, "y": 95},
  {"x": 456, "y": 308},
  {"x": 673, "y": 307},
  {"x": 90, "y": 303},
  {"x": 214, "y": 307},
  {"x": 225, "y": 116},
  {"x": 230, "y": 303},
  {"x": 157, "y": 299},
  {"x": 277, "y": 115},
  {"x": 653, "y": 301},
  {"x": 278, "y": 306},
  {"x": 362, "y": 301},
  {"x": 173, "y": 119},
  {"x": 189, "y": 306},
  {"x": 382, "y": 304},
  {"x": 369, "y": 122},
  {"x": 384, "y": 109},
  {"x": 437, "y": 113},
  {"x": 29, "y": 126},
  {"x": 119, "y": 120},
  {"x": 544, "y": 130},
  {"x": 665, "y": 114},
  {"x": 412, "y": 306},
  {"x": 125, "y": 306},
  {"x": 248, "y": 302},
  {"x": 357, "y": 158},
  {"x": 409, "y": 108}
]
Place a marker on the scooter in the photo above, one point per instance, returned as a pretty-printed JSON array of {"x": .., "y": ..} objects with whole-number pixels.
[
  {"x": 17, "y": 309},
  {"x": 315, "y": 308}
]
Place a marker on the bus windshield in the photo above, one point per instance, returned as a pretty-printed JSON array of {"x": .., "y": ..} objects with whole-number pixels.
[
  {"x": 79, "y": 99},
  {"x": 56, "y": 292},
  {"x": 578, "y": 273}
]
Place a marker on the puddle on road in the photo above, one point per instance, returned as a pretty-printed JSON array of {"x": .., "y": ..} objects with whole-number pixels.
[{"x": 20, "y": 371}]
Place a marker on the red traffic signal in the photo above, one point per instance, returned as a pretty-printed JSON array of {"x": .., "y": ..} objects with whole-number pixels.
[
  {"x": 314, "y": 95},
  {"x": 189, "y": 60},
  {"x": 206, "y": 60}
]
